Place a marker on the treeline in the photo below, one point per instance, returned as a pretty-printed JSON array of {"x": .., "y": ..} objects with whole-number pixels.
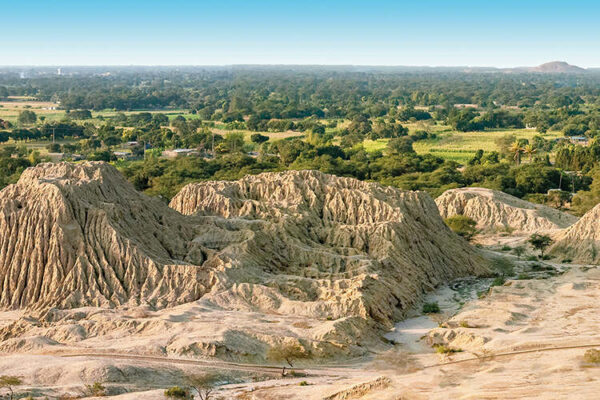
[
  {"x": 280, "y": 93},
  {"x": 398, "y": 166}
]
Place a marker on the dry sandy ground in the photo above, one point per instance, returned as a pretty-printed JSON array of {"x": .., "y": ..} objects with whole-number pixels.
[{"x": 522, "y": 315}]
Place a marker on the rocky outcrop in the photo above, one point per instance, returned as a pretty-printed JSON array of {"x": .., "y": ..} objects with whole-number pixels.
[
  {"x": 331, "y": 247},
  {"x": 79, "y": 234},
  {"x": 492, "y": 210},
  {"x": 581, "y": 241}
]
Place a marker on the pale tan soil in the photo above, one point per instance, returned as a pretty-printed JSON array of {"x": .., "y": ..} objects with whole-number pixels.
[
  {"x": 301, "y": 258},
  {"x": 495, "y": 210},
  {"x": 581, "y": 241},
  {"x": 376, "y": 253}
]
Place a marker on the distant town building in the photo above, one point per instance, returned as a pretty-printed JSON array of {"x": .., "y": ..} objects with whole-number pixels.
[
  {"x": 180, "y": 153},
  {"x": 123, "y": 155},
  {"x": 582, "y": 140}
]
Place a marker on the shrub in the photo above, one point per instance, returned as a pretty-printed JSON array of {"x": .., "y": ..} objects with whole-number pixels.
[
  {"x": 532, "y": 258},
  {"x": 443, "y": 349},
  {"x": 465, "y": 324},
  {"x": 176, "y": 392},
  {"x": 462, "y": 226},
  {"x": 303, "y": 383},
  {"x": 592, "y": 356},
  {"x": 519, "y": 251},
  {"x": 95, "y": 390},
  {"x": 431, "y": 308},
  {"x": 567, "y": 260},
  {"x": 498, "y": 281},
  {"x": 506, "y": 248},
  {"x": 503, "y": 266}
]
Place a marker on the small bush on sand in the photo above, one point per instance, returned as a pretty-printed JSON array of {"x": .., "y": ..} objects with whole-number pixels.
[
  {"x": 95, "y": 390},
  {"x": 592, "y": 356},
  {"x": 175, "y": 392},
  {"x": 431, "y": 308},
  {"x": 465, "y": 324},
  {"x": 498, "y": 281},
  {"x": 443, "y": 349}
]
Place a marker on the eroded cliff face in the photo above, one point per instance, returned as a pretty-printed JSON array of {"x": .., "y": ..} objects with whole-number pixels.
[
  {"x": 79, "y": 234},
  {"x": 331, "y": 247},
  {"x": 581, "y": 241},
  {"x": 492, "y": 209}
]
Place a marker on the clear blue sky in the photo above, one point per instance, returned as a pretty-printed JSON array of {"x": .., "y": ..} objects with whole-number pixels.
[{"x": 377, "y": 32}]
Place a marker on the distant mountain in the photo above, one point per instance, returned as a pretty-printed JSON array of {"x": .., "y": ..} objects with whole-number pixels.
[
  {"x": 553, "y": 67},
  {"x": 558, "y": 67}
]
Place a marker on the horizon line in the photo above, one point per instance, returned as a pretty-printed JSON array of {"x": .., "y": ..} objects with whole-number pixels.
[{"x": 284, "y": 65}]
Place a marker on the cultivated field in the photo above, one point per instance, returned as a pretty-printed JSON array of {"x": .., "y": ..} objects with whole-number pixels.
[{"x": 461, "y": 146}]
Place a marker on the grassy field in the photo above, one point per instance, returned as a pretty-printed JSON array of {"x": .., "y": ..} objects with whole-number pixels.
[
  {"x": 461, "y": 146},
  {"x": 9, "y": 110},
  {"x": 450, "y": 145}
]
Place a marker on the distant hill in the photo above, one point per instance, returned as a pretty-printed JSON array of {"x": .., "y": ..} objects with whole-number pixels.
[{"x": 558, "y": 67}]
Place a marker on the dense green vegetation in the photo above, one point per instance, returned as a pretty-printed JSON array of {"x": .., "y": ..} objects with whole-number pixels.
[{"x": 468, "y": 129}]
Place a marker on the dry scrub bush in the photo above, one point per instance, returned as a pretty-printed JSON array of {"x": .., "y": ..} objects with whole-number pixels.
[{"x": 592, "y": 356}]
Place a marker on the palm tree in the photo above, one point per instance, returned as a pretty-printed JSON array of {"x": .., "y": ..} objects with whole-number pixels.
[
  {"x": 530, "y": 150},
  {"x": 516, "y": 149}
]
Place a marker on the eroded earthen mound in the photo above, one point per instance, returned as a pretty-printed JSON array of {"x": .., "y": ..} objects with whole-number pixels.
[
  {"x": 296, "y": 243},
  {"x": 79, "y": 234},
  {"x": 581, "y": 241},
  {"x": 330, "y": 246},
  {"x": 492, "y": 209}
]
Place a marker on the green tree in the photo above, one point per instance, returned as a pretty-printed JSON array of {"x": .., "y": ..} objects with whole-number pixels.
[
  {"x": 462, "y": 226},
  {"x": 516, "y": 150},
  {"x": 258, "y": 138},
  {"x": 27, "y": 117},
  {"x": 400, "y": 145},
  {"x": 540, "y": 242},
  {"x": 530, "y": 150},
  {"x": 234, "y": 141}
]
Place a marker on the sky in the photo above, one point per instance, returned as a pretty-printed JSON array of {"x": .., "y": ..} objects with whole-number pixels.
[{"x": 378, "y": 32}]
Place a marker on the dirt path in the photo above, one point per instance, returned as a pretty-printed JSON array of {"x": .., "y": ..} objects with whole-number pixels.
[
  {"x": 513, "y": 353},
  {"x": 312, "y": 371},
  {"x": 336, "y": 370}
]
